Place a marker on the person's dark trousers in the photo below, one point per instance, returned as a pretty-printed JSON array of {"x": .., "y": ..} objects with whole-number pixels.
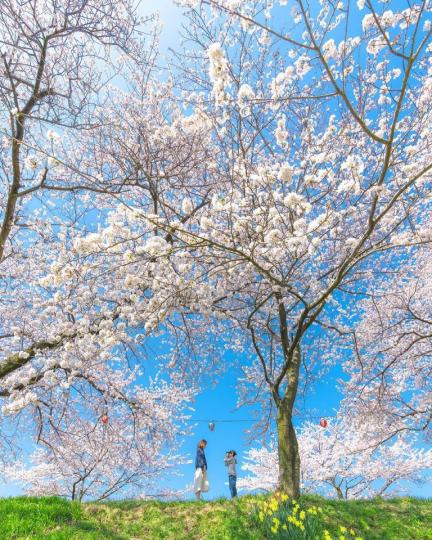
[{"x": 232, "y": 485}]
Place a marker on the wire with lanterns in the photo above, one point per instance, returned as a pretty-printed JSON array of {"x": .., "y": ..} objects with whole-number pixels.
[{"x": 323, "y": 422}]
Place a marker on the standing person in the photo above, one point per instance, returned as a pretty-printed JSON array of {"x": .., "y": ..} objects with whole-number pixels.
[
  {"x": 200, "y": 481},
  {"x": 230, "y": 462}
]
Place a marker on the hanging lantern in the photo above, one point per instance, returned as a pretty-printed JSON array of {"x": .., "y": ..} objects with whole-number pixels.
[
  {"x": 323, "y": 423},
  {"x": 211, "y": 426},
  {"x": 104, "y": 419}
]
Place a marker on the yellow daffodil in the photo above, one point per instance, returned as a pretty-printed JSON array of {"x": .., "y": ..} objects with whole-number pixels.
[
  {"x": 302, "y": 515},
  {"x": 342, "y": 529},
  {"x": 352, "y": 532},
  {"x": 295, "y": 522}
]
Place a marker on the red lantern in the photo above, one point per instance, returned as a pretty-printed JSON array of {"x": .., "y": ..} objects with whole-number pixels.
[
  {"x": 104, "y": 419},
  {"x": 323, "y": 423}
]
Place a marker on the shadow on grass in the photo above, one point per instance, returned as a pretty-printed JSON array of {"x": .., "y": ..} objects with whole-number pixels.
[
  {"x": 78, "y": 530},
  {"x": 133, "y": 504}
]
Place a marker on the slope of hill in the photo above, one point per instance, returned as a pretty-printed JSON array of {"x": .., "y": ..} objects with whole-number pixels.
[{"x": 248, "y": 518}]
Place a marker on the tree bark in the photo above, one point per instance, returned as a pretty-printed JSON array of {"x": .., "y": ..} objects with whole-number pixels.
[
  {"x": 289, "y": 457},
  {"x": 339, "y": 492},
  {"x": 17, "y": 140},
  {"x": 288, "y": 450}
]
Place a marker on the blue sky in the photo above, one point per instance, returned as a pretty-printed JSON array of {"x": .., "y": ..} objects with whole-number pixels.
[
  {"x": 218, "y": 403},
  {"x": 171, "y": 17}
]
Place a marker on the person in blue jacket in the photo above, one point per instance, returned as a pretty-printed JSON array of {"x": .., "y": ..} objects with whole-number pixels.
[{"x": 200, "y": 481}]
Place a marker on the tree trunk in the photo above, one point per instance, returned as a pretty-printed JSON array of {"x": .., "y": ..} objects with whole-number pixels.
[
  {"x": 339, "y": 493},
  {"x": 288, "y": 450},
  {"x": 338, "y": 490},
  {"x": 289, "y": 457}
]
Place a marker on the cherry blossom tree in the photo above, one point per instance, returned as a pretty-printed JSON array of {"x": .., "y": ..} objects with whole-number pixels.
[
  {"x": 248, "y": 205},
  {"x": 80, "y": 334},
  {"x": 335, "y": 462},
  {"x": 262, "y": 467},
  {"x": 53, "y": 56},
  {"x": 109, "y": 451},
  {"x": 390, "y": 370},
  {"x": 80, "y": 151},
  {"x": 322, "y": 144}
]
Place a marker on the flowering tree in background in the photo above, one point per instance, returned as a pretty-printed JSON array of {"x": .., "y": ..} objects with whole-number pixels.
[
  {"x": 390, "y": 372},
  {"x": 336, "y": 462},
  {"x": 262, "y": 466},
  {"x": 95, "y": 458},
  {"x": 323, "y": 143}
]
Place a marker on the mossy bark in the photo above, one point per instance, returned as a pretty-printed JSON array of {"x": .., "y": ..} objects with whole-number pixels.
[{"x": 288, "y": 449}]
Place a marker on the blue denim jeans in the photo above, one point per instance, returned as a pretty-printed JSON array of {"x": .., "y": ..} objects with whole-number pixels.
[{"x": 232, "y": 480}]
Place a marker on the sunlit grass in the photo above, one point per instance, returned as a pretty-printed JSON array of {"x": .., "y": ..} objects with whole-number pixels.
[{"x": 54, "y": 518}]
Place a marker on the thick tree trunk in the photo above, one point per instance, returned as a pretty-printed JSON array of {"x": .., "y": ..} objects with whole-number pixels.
[
  {"x": 288, "y": 450},
  {"x": 289, "y": 457}
]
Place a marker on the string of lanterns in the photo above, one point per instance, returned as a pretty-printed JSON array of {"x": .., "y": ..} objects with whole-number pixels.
[{"x": 212, "y": 424}]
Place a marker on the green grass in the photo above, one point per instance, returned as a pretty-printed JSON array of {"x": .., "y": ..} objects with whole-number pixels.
[{"x": 52, "y": 518}]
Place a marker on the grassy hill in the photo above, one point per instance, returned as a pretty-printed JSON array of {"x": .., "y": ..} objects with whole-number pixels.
[{"x": 248, "y": 518}]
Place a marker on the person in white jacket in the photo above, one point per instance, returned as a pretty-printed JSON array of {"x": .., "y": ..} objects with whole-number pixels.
[{"x": 230, "y": 462}]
